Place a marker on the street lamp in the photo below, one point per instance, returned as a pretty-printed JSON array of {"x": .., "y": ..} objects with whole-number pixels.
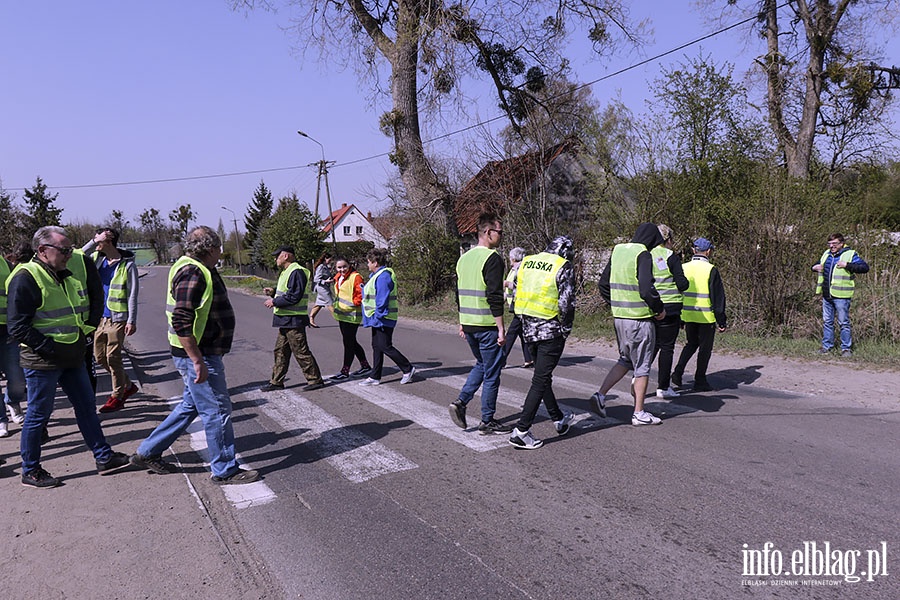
[
  {"x": 237, "y": 239},
  {"x": 323, "y": 172}
]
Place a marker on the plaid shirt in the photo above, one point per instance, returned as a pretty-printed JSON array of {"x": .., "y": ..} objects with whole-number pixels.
[{"x": 188, "y": 286}]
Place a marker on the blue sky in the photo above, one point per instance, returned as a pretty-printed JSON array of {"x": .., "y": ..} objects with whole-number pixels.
[{"x": 101, "y": 92}]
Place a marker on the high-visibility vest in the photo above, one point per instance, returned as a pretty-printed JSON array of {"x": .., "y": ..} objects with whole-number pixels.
[
  {"x": 368, "y": 301},
  {"x": 697, "y": 302},
  {"x": 537, "y": 294},
  {"x": 510, "y": 294},
  {"x": 76, "y": 265},
  {"x": 58, "y": 317},
  {"x": 117, "y": 298},
  {"x": 4, "y": 276},
  {"x": 344, "y": 308},
  {"x": 663, "y": 280},
  {"x": 281, "y": 289},
  {"x": 471, "y": 289},
  {"x": 201, "y": 313},
  {"x": 841, "y": 284},
  {"x": 624, "y": 291}
]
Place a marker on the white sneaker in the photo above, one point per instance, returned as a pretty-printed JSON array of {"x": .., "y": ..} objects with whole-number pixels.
[
  {"x": 16, "y": 414},
  {"x": 562, "y": 426},
  {"x": 370, "y": 381},
  {"x": 4, "y": 432},
  {"x": 644, "y": 418},
  {"x": 407, "y": 377},
  {"x": 669, "y": 393},
  {"x": 598, "y": 403},
  {"x": 524, "y": 439}
]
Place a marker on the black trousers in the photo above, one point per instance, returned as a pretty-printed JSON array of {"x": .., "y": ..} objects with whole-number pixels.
[
  {"x": 352, "y": 348},
  {"x": 383, "y": 344},
  {"x": 699, "y": 336},
  {"x": 546, "y": 356},
  {"x": 666, "y": 336},
  {"x": 515, "y": 331}
]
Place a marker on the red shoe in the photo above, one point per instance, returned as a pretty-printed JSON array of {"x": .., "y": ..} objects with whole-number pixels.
[
  {"x": 112, "y": 405},
  {"x": 131, "y": 391}
]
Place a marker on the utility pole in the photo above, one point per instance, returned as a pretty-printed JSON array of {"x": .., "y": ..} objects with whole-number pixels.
[
  {"x": 323, "y": 174},
  {"x": 237, "y": 239}
]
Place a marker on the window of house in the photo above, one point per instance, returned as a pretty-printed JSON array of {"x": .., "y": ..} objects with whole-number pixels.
[
  {"x": 359, "y": 230},
  {"x": 346, "y": 230}
]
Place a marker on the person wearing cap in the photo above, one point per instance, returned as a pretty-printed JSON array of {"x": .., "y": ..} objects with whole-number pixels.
[
  {"x": 627, "y": 286},
  {"x": 703, "y": 314},
  {"x": 837, "y": 271},
  {"x": 670, "y": 282},
  {"x": 289, "y": 301}
]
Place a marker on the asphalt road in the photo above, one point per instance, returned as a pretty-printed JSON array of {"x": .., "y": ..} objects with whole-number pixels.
[{"x": 374, "y": 493}]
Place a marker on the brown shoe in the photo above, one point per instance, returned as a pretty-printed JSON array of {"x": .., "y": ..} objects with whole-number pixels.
[{"x": 112, "y": 405}]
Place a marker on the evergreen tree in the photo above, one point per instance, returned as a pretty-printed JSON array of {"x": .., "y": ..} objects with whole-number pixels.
[
  {"x": 40, "y": 208},
  {"x": 295, "y": 225},
  {"x": 259, "y": 211},
  {"x": 10, "y": 221}
]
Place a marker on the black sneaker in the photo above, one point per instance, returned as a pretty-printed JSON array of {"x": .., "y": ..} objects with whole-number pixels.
[
  {"x": 492, "y": 427},
  {"x": 362, "y": 371},
  {"x": 39, "y": 478},
  {"x": 238, "y": 477},
  {"x": 271, "y": 387},
  {"x": 458, "y": 414},
  {"x": 310, "y": 387},
  {"x": 675, "y": 380},
  {"x": 152, "y": 463},
  {"x": 117, "y": 461},
  {"x": 340, "y": 376},
  {"x": 702, "y": 386}
]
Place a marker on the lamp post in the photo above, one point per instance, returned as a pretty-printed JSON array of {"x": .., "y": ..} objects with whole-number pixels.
[
  {"x": 237, "y": 239},
  {"x": 323, "y": 172}
]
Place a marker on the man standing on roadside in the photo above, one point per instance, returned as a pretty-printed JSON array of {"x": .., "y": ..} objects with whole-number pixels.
[
  {"x": 837, "y": 271},
  {"x": 703, "y": 313},
  {"x": 201, "y": 330},
  {"x": 479, "y": 295},
  {"x": 119, "y": 277},
  {"x": 289, "y": 301},
  {"x": 627, "y": 285},
  {"x": 46, "y": 313}
]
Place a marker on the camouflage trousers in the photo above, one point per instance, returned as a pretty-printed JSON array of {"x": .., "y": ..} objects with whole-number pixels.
[{"x": 293, "y": 341}]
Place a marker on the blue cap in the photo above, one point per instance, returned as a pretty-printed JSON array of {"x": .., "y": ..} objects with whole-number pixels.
[{"x": 703, "y": 244}]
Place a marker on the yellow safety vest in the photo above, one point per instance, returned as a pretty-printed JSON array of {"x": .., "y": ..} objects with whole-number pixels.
[
  {"x": 537, "y": 294},
  {"x": 58, "y": 317},
  {"x": 697, "y": 302},
  {"x": 344, "y": 309},
  {"x": 663, "y": 280},
  {"x": 201, "y": 313},
  {"x": 842, "y": 282},
  {"x": 624, "y": 291},
  {"x": 368, "y": 301},
  {"x": 471, "y": 289},
  {"x": 117, "y": 298},
  {"x": 76, "y": 265},
  {"x": 4, "y": 276},
  {"x": 281, "y": 289}
]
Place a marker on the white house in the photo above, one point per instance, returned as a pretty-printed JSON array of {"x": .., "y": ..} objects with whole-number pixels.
[{"x": 351, "y": 225}]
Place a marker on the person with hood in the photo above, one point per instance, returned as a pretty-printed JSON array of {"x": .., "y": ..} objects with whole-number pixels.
[
  {"x": 627, "y": 286},
  {"x": 545, "y": 302},
  {"x": 119, "y": 277}
]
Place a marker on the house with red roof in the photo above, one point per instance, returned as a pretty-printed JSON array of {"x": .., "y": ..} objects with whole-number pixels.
[{"x": 351, "y": 225}]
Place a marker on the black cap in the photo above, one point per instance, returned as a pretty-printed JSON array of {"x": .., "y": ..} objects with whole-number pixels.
[{"x": 283, "y": 249}]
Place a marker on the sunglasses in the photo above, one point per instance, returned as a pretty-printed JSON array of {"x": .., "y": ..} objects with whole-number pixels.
[{"x": 67, "y": 251}]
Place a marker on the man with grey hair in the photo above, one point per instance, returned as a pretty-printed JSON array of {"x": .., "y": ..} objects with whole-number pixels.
[
  {"x": 201, "y": 329},
  {"x": 48, "y": 314},
  {"x": 515, "y": 325}
]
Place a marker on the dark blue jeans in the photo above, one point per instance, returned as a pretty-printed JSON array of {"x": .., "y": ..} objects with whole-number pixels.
[
  {"x": 489, "y": 360},
  {"x": 41, "y": 394}
]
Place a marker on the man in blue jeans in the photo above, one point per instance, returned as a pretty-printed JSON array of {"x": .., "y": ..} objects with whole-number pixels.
[
  {"x": 49, "y": 315},
  {"x": 479, "y": 294},
  {"x": 837, "y": 271},
  {"x": 201, "y": 330}
]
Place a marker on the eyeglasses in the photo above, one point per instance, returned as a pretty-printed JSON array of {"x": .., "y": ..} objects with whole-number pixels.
[
  {"x": 67, "y": 251},
  {"x": 497, "y": 231}
]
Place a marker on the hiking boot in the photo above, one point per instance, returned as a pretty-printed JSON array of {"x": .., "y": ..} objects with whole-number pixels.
[
  {"x": 667, "y": 393},
  {"x": 39, "y": 478},
  {"x": 238, "y": 477},
  {"x": 113, "y": 404},
  {"x": 131, "y": 391},
  {"x": 407, "y": 377},
  {"x": 644, "y": 418},
  {"x": 524, "y": 440},
  {"x": 563, "y": 425},
  {"x": 458, "y": 413},
  {"x": 370, "y": 381},
  {"x": 16, "y": 413},
  {"x": 598, "y": 404},
  {"x": 492, "y": 426},
  {"x": 340, "y": 376},
  {"x": 362, "y": 371},
  {"x": 117, "y": 461},
  {"x": 272, "y": 387},
  {"x": 310, "y": 387},
  {"x": 152, "y": 463}
]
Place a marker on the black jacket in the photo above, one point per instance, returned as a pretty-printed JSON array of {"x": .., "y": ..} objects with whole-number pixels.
[{"x": 648, "y": 235}]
